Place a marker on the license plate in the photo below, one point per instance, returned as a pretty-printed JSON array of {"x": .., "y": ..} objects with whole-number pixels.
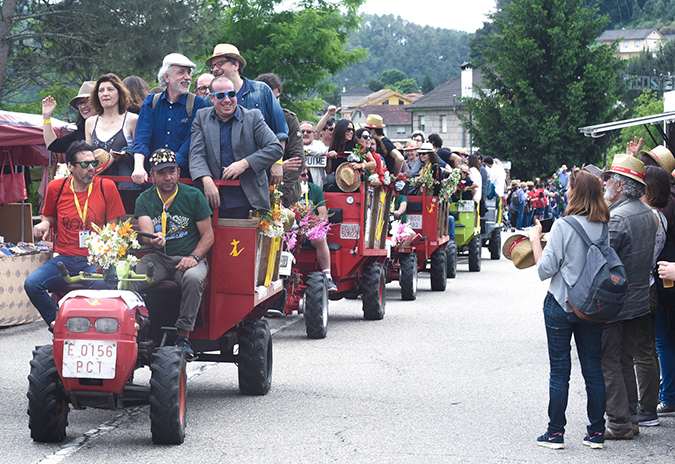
[
  {"x": 415, "y": 221},
  {"x": 349, "y": 231},
  {"x": 89, "y": 359},
  {"x": 315, "y": 161}
]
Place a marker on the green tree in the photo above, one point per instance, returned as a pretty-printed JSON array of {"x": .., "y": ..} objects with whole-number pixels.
[
  {"x": 545, "y": 77},
  {"x": 646, "y": 104},
  {"x": 375, "y": 84},
  {"x": 427, "y": 84},
  {"x": 392, "y": 76},
  {"x": 45, "y": 43},
  {"x": 406, "y": 86},
  {"x": 303, "y": 46}
]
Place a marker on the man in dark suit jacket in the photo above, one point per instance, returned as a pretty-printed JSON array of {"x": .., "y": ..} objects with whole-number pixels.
[{"x": 230, "y": 142}]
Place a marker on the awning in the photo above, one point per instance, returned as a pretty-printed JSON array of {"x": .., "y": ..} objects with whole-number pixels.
[
  {"x": 600, "y": 129},
  {"x": 21, "y": 137}
]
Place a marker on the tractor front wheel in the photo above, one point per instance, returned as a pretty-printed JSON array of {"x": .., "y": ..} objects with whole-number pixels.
[
  {"x": 47, "y": 398},
  {"x": 495, "y": 244},
  {"x": 451, "y": 259},
  {"x": 475, "y": 250},
  {"x": 316, "y": 306},
  {"x": 374, "y": 287},
  {"x": 168, "y": 396},
  {"x": 439, "y": 270},
  {"x": 407, "y": 277}
]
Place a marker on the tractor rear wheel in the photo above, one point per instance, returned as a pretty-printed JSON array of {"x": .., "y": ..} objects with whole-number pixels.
[
  {"x": 374, "y": 287},
  {"x": 255, "y": 357},
  {"x": 316, "y": 306},
  {"x": 451, "y": 259},
  {"x": 407, "y": 277},
  {"x": 495, "y": 244},
  {"x": 439, "y": 270},
  {"x": 168, "y": 396},
  {"x": 47, "y": 398},
  {"x": 475, "y": 250}
]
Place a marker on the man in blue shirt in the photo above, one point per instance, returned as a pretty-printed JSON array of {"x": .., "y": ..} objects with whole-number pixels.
[
  {"x": 165, "y": 122},
  {"x": 563, "y": 176},
  {"x": 227, "y": 62}
]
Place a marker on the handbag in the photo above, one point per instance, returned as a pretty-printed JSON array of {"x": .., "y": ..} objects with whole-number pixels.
[{"x": 12, "y": 185}]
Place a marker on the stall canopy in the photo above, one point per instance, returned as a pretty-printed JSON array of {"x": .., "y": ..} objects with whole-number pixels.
[{"x": 21, "y": 136}]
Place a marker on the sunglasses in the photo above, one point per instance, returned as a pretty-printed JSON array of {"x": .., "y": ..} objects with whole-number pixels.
[
  {"x": 365, "y": 136},
  {"x": 85, "y": 164},
  {"x": 305, "y": 131},
  {"x": 304, "y": 175},
  {"x": 220, "y": 95},
  {"x": 330, "y": 129},
  {"x": 350, "y": 129}
]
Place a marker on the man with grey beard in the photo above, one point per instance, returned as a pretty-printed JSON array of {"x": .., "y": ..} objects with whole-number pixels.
[
  {"x": 632, "y": 232},
  {"x": 165, "y": 120}
]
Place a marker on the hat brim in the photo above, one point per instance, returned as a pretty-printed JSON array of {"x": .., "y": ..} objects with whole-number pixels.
[
  {"x": 105, "y": 161},
  {"x": 609, "y": 171},
  {"x": 159, "y": 167},
  {"x": 658, "y": 160},
  {"x": 344, "y": 186},
  {"x": 73, "y": 102},
  {"x": 373, "y": 126}
]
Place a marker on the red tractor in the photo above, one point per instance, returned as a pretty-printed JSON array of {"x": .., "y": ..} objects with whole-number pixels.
[
  {"x": 102, "y": 336},
  {"x": 358, "y": 253},
  {"x": 431, "y": 250}
]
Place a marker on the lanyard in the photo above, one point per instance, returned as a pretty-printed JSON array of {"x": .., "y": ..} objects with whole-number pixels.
[
  {"x": 164, "y": 203},
  {"x": 83, "y": 215}
]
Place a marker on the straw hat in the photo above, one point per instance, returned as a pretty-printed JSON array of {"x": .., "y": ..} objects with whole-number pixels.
[
  {"x": 348, "y": 180},
  {"x": 425, "y": 148},
  {"x": 410, "y": 145},
  {"x": 228, "y": 51},
  {"x": 375, "y": 121},
  {"x": 105, "y": 160},
  {"x": 628, "y": 166},
  {"x": 85, "y": 90},
  {"x": 518, "y": 249},
  {"x": 663, "y": 156}
]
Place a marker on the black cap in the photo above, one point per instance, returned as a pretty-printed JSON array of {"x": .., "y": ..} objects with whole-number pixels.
[{"x": 162, "y": 158}]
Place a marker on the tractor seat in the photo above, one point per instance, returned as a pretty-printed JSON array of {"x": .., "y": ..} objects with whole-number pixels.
[
  {"x": 331, "y": 246},
  {"x": 66, "y": 288}
]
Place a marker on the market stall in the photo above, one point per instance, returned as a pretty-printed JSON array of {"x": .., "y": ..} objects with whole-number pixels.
[{"x": 21, "y": 145}]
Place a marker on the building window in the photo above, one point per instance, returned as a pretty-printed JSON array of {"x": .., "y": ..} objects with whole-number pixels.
[
  {"x": 400, "y": 102},
  {"x": 400, "y": 130},
  {"x": 444, "y": 124},
  {"x": 422, "y": 125},
  {"x": 637, "y": 44},
  {"x": 386, "y": 102},
  {"x": 625, "y": 44}
]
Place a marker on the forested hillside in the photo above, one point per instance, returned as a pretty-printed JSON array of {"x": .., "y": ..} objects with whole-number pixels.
[{"x": 394, "y": 43}]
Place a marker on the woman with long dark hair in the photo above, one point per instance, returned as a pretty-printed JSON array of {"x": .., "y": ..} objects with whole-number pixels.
[
  {"x": 138, "y": 90},
  {"x": 84, "y": 111},
  {"x": 343, "y": 141},
  {"x": 563, "y": 261}
]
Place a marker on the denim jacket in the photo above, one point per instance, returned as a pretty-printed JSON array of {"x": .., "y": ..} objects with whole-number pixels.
[
  {"x": 258, "y": 95},
  {"x": 632, "y": 232}
]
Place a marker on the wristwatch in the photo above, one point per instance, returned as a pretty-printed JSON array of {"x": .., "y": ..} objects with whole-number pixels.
[{"x": 197, "y": 258}]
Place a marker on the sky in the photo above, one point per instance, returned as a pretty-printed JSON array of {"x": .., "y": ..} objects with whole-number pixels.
[{"x": 461, "y": 15}]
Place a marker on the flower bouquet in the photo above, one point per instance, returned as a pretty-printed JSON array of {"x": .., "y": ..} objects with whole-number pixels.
[
  {"x": 308, "y": 224},
  {"x": 109, "y": 245},
  {"x": 449, "y": 185},
  {"x": 425, "y": 179},
  {"x": 400, "y": 233},
  {"x": 272, "y": 221}
]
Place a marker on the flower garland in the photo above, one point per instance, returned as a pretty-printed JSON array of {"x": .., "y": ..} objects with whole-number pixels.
[
  {"x": 358, "y": 155},
  {"x": 425, "y": 179},
  {"x": 271, "y": 222},
  {"x": 109, "y": 245},
  {"x": 449, "y": 184},
  {"x": 308, "y": 224},
  {"x": 399, "y": 232}
]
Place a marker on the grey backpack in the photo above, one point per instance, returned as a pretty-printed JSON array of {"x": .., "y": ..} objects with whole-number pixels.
[{"x": 600, "y": 292}]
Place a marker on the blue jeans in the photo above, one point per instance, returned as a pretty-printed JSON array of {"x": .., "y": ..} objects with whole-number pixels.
[
  {"x": 560, "y": 326},
  {"x": 521, "y": 213},
  {"x": 451, "y": 227},
  {"x": 665, "y": 346},
  {"x": 47, "y": 278}
]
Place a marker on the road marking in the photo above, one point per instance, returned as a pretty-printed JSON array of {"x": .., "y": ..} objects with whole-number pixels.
[{"x": 76, "y": 444}]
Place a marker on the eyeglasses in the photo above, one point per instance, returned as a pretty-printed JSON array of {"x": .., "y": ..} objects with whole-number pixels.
[
  {"x": 305, "y": 131},
  {"x": 218, "y": 64},
  {"x": 83, "y": 101},
  {"x": 330, "y": 129},
  {"x": 220, "y": 95},
  {"x": 418, "y": 140},
  {"x": 85, "y": 164},
  {"x": 202, "y": 88}
]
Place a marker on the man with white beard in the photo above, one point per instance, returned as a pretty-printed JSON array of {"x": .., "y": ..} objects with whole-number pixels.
[
  {"x": 632, "y": 232},
  {"x": 315, "y": 153}
]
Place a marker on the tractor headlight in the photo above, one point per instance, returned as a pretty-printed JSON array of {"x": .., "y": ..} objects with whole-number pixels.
[
  {"x": 78, "y": 324},
  {"x": 106, "y": 325}
]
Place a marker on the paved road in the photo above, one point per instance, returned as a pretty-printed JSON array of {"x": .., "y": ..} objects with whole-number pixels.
[{"x": 454, "y": 377}]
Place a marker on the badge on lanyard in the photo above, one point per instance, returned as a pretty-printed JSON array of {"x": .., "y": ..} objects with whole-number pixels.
[{"x": 84, "y": 233}]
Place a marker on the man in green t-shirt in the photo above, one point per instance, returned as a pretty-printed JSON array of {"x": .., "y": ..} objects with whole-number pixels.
[
  {"x": 313, "y": 197},
  {"x": 179, "y": 216}
]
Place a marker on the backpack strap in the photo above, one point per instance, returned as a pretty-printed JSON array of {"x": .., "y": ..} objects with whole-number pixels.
[
  {"x": 61, "y": 190},
  {"x": 189, "y": 105},
  {"x": 582, "y": 233}
]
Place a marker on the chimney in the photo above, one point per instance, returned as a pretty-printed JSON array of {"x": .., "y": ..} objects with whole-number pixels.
[{"x": 467, "y": 80}]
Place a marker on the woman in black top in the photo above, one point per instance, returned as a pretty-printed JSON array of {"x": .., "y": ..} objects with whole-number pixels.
[
  {"x": 343, "y": 141},
  {"x": 85, "y": 111}
]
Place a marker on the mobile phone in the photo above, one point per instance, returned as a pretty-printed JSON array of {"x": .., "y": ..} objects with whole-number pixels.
[{"x": 546, "y": 225}]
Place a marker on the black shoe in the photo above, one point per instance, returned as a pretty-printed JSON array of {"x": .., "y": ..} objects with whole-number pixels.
[
  {"x": 664, "y": 409},
  {"x": 184, "y": 344}
]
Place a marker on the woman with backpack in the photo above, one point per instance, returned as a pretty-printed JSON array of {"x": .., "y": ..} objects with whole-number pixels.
[{"x": 563, "y": 260}]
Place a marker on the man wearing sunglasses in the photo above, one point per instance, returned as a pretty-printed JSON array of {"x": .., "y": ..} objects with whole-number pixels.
[
  {"x": 71, "y": 206},
  {"x": 230, "y": 142}
]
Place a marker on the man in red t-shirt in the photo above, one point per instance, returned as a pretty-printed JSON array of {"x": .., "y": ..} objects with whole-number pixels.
[{"x": 71, "y": 206}]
